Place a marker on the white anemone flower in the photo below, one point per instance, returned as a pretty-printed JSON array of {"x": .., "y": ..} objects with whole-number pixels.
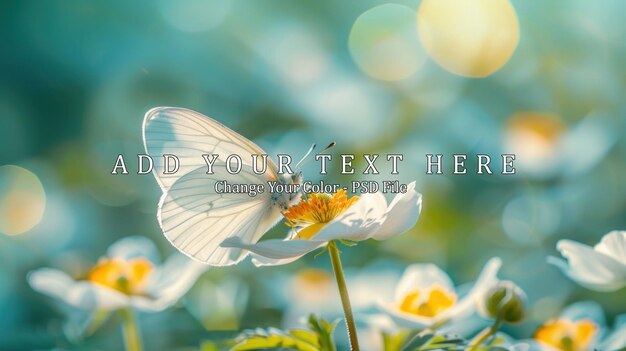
[
  {"x": 580, "y": 327},
  {"x": 425, "y": 296},
  {"x": 601, "y": 268},
  {"x": 321, "y": 218},
  {"x": 130, "y": 276}
]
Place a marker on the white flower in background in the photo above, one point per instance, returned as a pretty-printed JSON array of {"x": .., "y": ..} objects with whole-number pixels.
[
  {"x": 129, "y": 276},
  {"x": 374, "y": 329},
  {"x": 426, "y": 297},
  {"x": 545, "y": 146},
  {"x": 321, "y": 218},
  {"x": 313, "y": 290},
  {"x": 602, "y": 267},
  {"x": 580, "y": 327}
]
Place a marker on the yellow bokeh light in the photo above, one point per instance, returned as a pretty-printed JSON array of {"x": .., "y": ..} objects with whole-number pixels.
[
  {"x": 384, "y": 44},
  {"x": 471, "y": 38},
  {"x": 22, "y": 200},
  {"x": 312, "y": 285},
  {"x": 534, "y": 137}
]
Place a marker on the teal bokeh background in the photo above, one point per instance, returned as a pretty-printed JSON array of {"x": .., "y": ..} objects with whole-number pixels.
[{"x": 77, "y": 77}]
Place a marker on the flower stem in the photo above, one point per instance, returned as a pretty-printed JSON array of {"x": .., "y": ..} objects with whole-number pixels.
[
  {"x": 132, "y": 338},
  {"x": 484, "y": 335},
  {"x": 343, "y": 292}
]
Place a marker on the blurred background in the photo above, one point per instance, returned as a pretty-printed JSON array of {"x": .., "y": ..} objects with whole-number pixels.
[{"x": 543, "y": 80}]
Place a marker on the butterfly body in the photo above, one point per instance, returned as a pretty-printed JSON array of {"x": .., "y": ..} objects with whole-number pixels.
[{"x": 283, "y": 198}]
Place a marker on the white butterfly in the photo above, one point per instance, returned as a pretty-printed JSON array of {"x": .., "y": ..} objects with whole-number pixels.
[{"x": 193, "y": 217}]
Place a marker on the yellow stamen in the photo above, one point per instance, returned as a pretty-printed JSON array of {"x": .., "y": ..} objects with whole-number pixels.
[
  {"x": 429, "y": 303},
  {"x": 128, "y": 277},
  {"x": 567, "y": 335},
  {"x": 314, "y": 212}
]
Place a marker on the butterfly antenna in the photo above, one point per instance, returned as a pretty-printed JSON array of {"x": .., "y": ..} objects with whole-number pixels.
[
  {"x": 301, "y": 162},
  {"x": 304, "y": 159},
  {"x": 328, "y": 147}
]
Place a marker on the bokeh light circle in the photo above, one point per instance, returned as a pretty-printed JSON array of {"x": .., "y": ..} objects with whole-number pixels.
[
  {"x": 384, "y": 44},
  {"x": 534, "y": 138},
  {"x": 22, "y": 200},
  {"x": 194, "y": 15},
  {"x": 472, "y": 38}
]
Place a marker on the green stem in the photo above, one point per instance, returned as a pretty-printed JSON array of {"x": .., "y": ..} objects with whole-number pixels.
[
  {"x": 343, "y": 292},
  {"x": 484, "y": 335},
  {"x": 132, "y": 338}
]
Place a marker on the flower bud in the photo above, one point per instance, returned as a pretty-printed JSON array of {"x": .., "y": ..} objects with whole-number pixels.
[{"x": 505, "y": 301}]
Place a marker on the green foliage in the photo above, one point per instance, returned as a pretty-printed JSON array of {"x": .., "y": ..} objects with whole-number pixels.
[
  {"x": 429, "y": 340},
  {"x": 324, "y": 330},
  {"x": 495, "y": 343},
  {"x": 395, "y": 341},
  {"x": 209, "y": 346},
  {"x": 317, "y": 338}
]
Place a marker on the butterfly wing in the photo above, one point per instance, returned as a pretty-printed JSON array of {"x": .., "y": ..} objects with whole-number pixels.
[
  {"x": 193, "y": 216},
  {"x": 188, "y": 135}
]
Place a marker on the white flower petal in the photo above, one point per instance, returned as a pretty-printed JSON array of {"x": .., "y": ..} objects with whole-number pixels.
[
  {"x": 466, "y": 327},
  {"x": 487, "y": 278},
  {"x": 422, "y": 276},
  {"x": 616, "y": 340},
  {"x": 416, "y": 277},
  {"x": 590, "y": 268},
  {"x": 51, "y": 282},
  {"x": 134, "y": 247},
  {"x": 380, "y": 323},
  {"x": 532, "y": 345},
  {"x": 406, "y": 320},
  {"x": 79, "y": 294},
  {"x": 402, "y": 214},
  {"x": 169, "y": 283},
  {"x": 585, "y": 310},
  {"x": 613, "y": 244},
  {"x": 275, "y": 248},
  {"x": 91, "y": 296},
  {"x": 520, "y": 347},
  {"x": 359, "y": 222},
  {"x": 261, "y": 261}
]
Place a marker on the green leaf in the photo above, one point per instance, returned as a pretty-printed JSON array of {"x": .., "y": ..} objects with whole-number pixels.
[
  {"x": 208, "y": 346},
  {"x": 261, "y": 342},
  {"x": 319, "y": 338},
  {"x": 325, "y": 332},
  {"x": 418, "y": 340},
  {"x": 305, "y": 335},
  {"x": 428, "y": 340},
  {"x": 394, "y": 342}
]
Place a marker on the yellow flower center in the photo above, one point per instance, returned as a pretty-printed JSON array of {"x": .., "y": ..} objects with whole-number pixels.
[
  {"x": 429, "y": 303},
  {"x": 314, "y": 212},
  {"x": 128, "y": 277},
  {"x": 566, "y": 335}
]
